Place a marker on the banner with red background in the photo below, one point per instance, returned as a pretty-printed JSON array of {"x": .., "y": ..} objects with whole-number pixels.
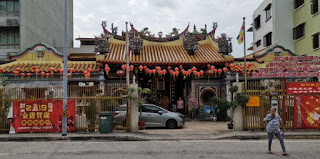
[
  {"x": 306, "y": 112},
  {"x": 42, "y": 116}
]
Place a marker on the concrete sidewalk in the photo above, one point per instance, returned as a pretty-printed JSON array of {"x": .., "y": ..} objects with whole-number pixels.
[{"x": 246, "y": 135}]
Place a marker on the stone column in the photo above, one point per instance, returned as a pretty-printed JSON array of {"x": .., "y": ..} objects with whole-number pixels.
[
  {"x": 237, "y": 116},
  {"x": 134, "y": 110}
]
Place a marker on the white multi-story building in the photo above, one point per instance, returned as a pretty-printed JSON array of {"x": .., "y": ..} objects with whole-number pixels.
[{"x": 272, "y": 24}]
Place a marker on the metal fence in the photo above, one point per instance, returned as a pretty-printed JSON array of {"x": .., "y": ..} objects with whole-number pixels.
[
  {"x": 267, "y": 91},
  {"x": 89, "y": 102}
]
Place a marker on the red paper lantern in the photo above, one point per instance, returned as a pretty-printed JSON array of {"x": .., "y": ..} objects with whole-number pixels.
[
  {"x": 173, "y": 73},
  {"x": 60, "y": 70},
  {"x": 226, "y": 64},
  {"x": 177, "y": 73},
  {"x": 47, "y": 74},
  {"x": 70, "y": 70},
  {"x": 225, "y": 69},
  {"x": 248, "y": 73},
  {"x": 220, "y": 71},
  {"x": 250, "y": 64},
  {"x": 243, "y": 72},
  {"x": 201, "y": 72},
  {"x": 189, "y": 71},
  {"x": 23, "y": 75},
  {"x": 90, "y": 70},
  {"x": 215, "y": 70},
  {"x": 181, "y": 67},
  {"x": 52, "y": 74},
  {"x": 212, "y": 68},
  {"x": 15, "y": 72},
  {"x": 169, "y": 67},
  {"x": 106, "y": 65},
  {"x": 28, "y": 75},
  {"x": 209, "y": 72},
  {"x": 208, "y": 66},
  {"x": 140, "y": 67},
  {"x": 241, "y": 67},
  {"x": 88, "y": 75},
  {"x": 18, "y": 69},
  {"x": 107, "y": 69},
  {"x": 1, "y": 70},
  {"x": 37, "y": 71},
  {"x": 176, "y": 69},
  {"x": 85, "y": 72},
  {"x": 236, "y": 67},
  {"x": 165, "y": 71},
  {"x": 158, "y": 68},
  {"x": 69, "y": 74},
  {"x": 131, "y": 67},
  {"x": 124, "y": 67},
  {"x": 145, "y": 67},
  {"x": 161, "y": 72},
  {"x": 194, "y": 69},
  {"x": 231, "y": 66},
  {"x": 52, "y": 69},
  {"x": 34, "y": 67},
  {"x": 153, "y": 71}
]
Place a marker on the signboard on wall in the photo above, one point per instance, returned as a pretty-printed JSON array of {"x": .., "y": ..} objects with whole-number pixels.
[
  {"x": 303, "y": 87},
  {"x": 42, "y": 116},
  {"x": 306, "y": 112}
]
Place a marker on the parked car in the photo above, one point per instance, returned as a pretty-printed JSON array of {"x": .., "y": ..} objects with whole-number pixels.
[{"x": 154, "y": 116}]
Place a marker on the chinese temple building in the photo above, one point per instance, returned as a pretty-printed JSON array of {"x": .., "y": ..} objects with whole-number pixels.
[{"x": 172, "y": 66}]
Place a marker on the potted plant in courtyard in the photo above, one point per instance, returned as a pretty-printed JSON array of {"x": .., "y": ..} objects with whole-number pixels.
[
  {"x": 239, "y": 99},
  {"x": 140, "y": 100}
]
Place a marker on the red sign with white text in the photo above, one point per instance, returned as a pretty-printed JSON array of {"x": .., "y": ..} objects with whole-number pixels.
[
  {"x": 303, "y": 87},
  {"x": 306, "y": 112},
  {"x": 42, "y": 116}
]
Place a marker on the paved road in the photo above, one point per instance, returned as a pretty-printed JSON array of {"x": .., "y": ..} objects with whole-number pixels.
[{"x": 156, "y": 149}]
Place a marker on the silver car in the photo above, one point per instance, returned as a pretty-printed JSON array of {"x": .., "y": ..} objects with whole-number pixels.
[{"x": 155, "y": 116}]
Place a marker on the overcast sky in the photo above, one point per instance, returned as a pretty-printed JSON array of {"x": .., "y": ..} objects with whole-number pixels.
[{"x": 163, "y": 15}]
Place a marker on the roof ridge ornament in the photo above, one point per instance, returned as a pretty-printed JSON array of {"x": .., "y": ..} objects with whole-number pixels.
[
  {"x": 175, "y": 32},
  {"x": 102, "y": 44},
  {"x": 136, "y": 44},
  {"x": 224, "y": 43},
  {"x": 190, "y": 44}
]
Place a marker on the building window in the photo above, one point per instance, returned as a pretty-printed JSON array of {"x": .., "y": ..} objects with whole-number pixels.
[
  {"x": 316, "y": 41},
  {"x": 268, "y": 12},
  {"x": 258, "y": 43},
  {"x": 9, "y": 38},
  {"x": 267, "y": 40},
  {"x": 9, "y": 8},
  {"x": 257, "y": 23},
  {"x": 298, "y": 32},
  {"x": 314, "y": 7},
  {"x": 298, "y": 3}
]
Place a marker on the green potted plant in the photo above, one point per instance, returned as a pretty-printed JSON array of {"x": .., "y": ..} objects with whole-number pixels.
[
  {"x": 140, "y": 100},
  {"x": 239, "y": 99},
  {"x": 91, "y": 115}
]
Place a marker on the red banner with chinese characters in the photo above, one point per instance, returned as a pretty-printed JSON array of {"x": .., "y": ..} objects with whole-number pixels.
[
  {"x": 303, "y": 87},
  {"x": 42, "y": 116},
  {"x": 306, "y": 112}
]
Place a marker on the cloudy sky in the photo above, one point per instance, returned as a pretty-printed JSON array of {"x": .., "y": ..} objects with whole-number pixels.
[{"x": 163, "y": 15}]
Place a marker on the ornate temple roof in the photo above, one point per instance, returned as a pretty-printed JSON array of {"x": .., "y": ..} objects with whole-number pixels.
[
  {"x": 44, "y": 57},
  {"x": 164, "y": 50},
  {"x": 165, "y": 53}
]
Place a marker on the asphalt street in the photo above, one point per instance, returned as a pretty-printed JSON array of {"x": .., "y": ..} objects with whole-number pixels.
[{"x": 157, "y": 149}]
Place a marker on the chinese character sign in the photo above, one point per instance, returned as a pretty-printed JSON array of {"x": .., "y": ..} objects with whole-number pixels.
[
  {"x": 303, "y": 87},
  {"x": 42, "y": 116},
  {"x": 306, "y": 112}
]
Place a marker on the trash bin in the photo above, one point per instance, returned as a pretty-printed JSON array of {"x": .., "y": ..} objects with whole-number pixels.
[{"x": 106, "y": 122}]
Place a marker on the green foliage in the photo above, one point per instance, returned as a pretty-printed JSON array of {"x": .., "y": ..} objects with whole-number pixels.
[
  {"x": 234, "y": 89},
  {"x": 242, "y": 98},
  {"x": 223, "y": 106},
  {"x": 141, "y": 98}
]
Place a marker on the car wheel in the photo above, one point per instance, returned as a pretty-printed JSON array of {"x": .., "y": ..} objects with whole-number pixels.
[{"x": 171, "y": 124}]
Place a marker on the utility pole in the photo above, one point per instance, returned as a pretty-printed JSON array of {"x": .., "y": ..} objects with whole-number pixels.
[
  {"x": 65, "y": 70},
  {"x": 245, "y": 55},
  {"x": 127, "y": 52}
]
